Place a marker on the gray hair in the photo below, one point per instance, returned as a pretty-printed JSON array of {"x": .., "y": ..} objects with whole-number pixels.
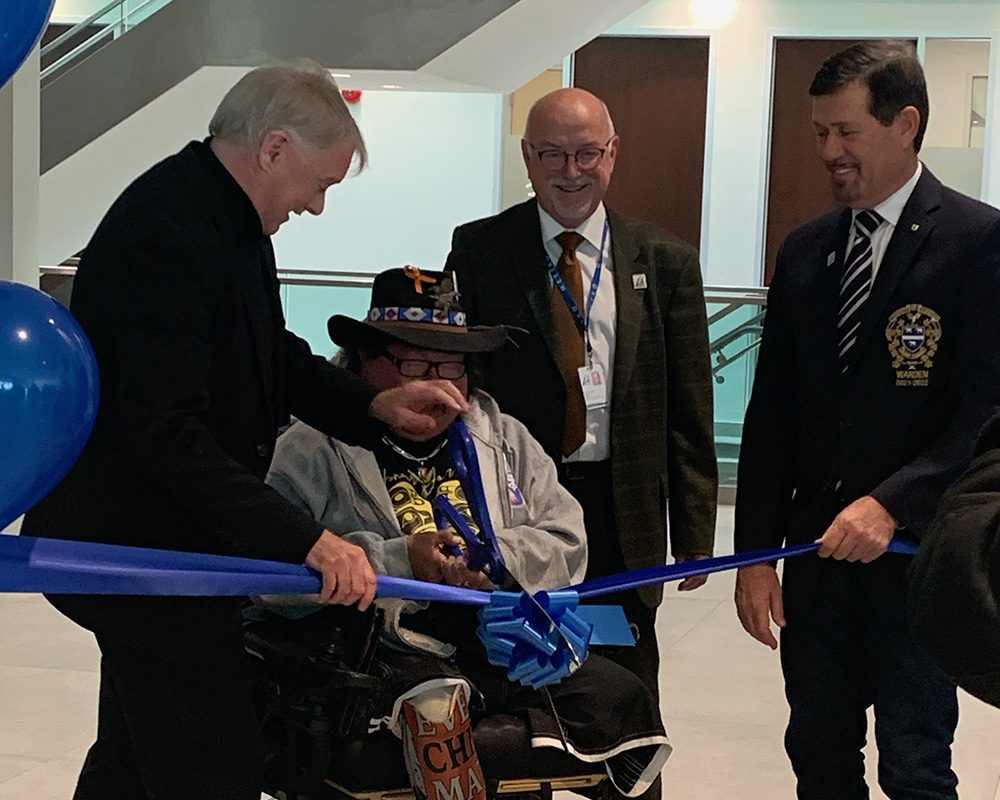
[{"x": 300, "y": 98}]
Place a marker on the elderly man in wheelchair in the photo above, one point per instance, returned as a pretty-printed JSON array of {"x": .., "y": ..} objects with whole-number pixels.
[{"x": 427, "y": 693}]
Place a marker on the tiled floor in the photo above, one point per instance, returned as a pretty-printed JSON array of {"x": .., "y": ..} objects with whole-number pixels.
[{"x": 722, "y": 702}]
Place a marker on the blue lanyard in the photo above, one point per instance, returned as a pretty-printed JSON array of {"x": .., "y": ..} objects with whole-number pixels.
[{"x": 557, "y": 279}]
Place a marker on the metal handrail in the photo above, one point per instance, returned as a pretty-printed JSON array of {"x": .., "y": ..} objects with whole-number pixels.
[
  {"x": 88, "y": 43},
  {"x": 734, "y": 296},
  {"x": 325, "y": 277},
  {"x": 741, "y": 295},
  {"x": 80, "y": 26}
]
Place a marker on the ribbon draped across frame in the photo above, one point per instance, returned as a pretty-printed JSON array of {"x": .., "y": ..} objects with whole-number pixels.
[
  {"x": 515, "y": 637},
  {"x": 56, "y": 566}
]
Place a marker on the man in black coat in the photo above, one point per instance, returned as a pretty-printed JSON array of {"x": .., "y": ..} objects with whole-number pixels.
[
  {"x": 955, "y": 578},
  {"x": 178, "y": 294},
  {"x": 878, "y": 365}
]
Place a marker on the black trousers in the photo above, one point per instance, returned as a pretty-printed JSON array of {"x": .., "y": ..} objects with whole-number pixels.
[
  {"x": 590, "y": 484},
  {"x": 847, "y": 646},
  {"x": 176, "y": 715}
]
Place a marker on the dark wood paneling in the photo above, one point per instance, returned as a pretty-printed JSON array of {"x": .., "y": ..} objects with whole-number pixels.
[
  {"x": 798, "y": 187},
  {"x": 657, "y": 91}
]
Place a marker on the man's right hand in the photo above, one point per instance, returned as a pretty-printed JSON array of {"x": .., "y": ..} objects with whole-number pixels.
[
  {"x": 347, "y": 576},
  {"x": 419, "y": 410},
  {"x": 430, "y": 563},
  {"x": 758, "y": 600}
]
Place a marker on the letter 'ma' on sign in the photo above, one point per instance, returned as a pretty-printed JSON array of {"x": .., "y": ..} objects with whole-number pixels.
[{"x": 454, "y": 791}]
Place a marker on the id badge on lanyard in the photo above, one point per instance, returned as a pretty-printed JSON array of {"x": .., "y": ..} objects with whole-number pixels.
[{"x": 594, "y": 386}]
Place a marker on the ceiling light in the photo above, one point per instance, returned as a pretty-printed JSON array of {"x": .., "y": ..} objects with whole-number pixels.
[
  {"x": 391, "y": 86},
  {"x": 712, "y": 13}
]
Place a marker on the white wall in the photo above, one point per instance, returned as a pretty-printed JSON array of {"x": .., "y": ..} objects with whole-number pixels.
[
  {"x": 433, "y": 163},
  {"x": 19, "y": 164},
  {"x": 740, "y": 82},
  {"x": 949, "y": 65},
  {"x": 75, "y": 194}
]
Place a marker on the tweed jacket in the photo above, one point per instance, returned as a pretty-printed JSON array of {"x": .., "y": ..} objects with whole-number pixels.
[
  {"x": 661, "y": 406},
  {"x": 901, "y": 424}
]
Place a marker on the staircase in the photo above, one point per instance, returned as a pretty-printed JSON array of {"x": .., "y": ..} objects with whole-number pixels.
[{"x": 108, "y": 84}]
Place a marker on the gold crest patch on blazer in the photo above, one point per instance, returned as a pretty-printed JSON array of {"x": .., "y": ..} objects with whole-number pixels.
[{"x": 913, "y": 334}]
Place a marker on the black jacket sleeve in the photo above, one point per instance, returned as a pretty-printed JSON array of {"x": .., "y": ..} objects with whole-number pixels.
[
  {"x": 326, "y": 397},
  {"x": 766, "y": 477},
  {"x": 955, "y": 579},
  {"x": 160, "y": 361}
]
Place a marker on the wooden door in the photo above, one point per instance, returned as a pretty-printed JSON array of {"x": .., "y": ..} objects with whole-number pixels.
[
  {"x": 657, "y": 91},
  {"x": 798, "y": 186}
]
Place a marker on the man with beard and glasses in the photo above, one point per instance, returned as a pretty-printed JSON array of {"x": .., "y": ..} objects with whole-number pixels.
[
  {"x": 615, "y": 346},
  {"x": 878, "y": 365}
]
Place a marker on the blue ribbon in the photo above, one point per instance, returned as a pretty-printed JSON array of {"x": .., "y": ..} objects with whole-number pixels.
[
  {"x": 517, "y": 634},
  {"x": 649, "y": 576},
  {"x": 56, "y": 566},
  {"x": 521, "y": 639}
]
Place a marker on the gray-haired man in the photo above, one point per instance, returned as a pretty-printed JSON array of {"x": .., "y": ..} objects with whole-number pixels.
[{"x": 178, "y": 293}]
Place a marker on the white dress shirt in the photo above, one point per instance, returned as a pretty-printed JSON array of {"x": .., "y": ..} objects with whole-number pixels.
[
  {"x": 597, "y": 445},
  {"x": 890, "y": 210}
]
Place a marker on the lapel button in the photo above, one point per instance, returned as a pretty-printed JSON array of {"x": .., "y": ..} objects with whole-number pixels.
[{"x": 915, "y": 227}]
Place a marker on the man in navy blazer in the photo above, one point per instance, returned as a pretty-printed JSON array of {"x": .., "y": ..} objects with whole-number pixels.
[{"x": 880, "y": 361}]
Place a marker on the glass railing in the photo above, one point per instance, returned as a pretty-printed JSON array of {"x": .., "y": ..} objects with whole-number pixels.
[
  {"x": 101, "y": 27},
  {"x": 735, "y": 316}
]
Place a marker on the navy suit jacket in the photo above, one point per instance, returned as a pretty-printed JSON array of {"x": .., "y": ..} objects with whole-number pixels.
[{"x": 900, "y": 426}]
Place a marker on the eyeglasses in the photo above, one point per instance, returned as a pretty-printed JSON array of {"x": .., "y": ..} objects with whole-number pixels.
[
  {"x": 418, "y": 368},
  {"x": 585, "y": 157}
]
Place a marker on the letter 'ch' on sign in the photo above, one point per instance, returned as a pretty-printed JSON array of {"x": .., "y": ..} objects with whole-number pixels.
[{"x": 438, "y": 748}]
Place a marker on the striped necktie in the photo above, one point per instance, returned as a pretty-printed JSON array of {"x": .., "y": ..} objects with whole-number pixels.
[{"x": 855, "y": 283}]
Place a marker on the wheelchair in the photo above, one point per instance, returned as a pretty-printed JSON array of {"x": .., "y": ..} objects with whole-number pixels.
[{"x": 315, "y": 689}]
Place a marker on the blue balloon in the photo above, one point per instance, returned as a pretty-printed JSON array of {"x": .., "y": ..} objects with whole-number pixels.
[
  {"x": 21, "y": 26},
  {"x": 49, "y": 391}
]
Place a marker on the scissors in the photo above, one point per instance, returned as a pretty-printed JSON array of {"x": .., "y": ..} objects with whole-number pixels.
[{"x": 482, "y": 550}]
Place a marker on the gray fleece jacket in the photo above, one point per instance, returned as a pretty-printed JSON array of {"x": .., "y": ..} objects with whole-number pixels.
[{"x": 539, "y": 525}]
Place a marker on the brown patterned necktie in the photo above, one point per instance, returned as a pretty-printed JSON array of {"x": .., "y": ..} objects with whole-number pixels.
[{"x": 571, "y": 344}]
